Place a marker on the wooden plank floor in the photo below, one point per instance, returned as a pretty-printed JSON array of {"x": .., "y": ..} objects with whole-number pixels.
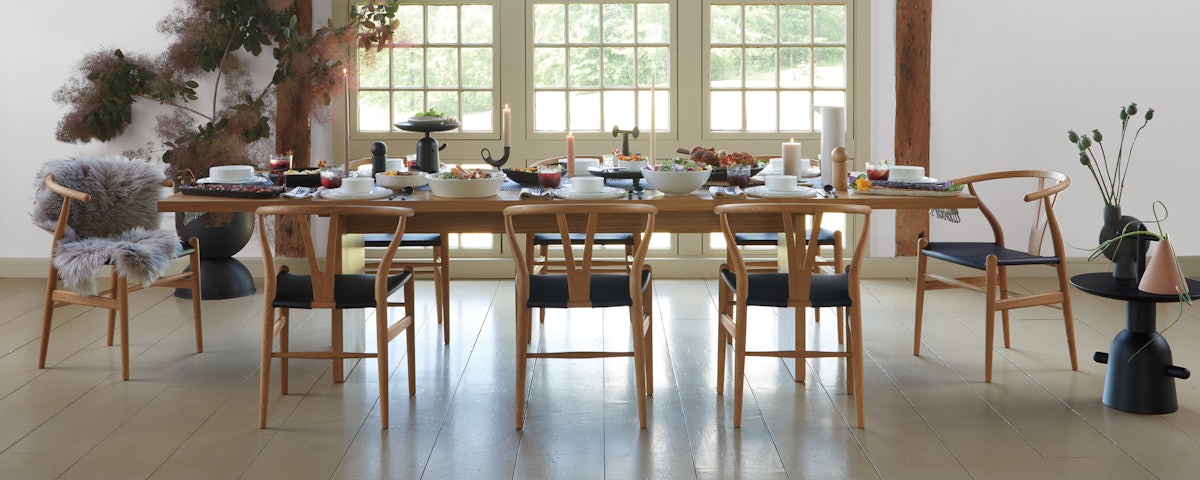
[{"x": 185, "y": 415}]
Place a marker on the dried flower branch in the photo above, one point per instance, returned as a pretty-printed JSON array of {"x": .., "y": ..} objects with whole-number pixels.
[{"x": 1111, "y": 180}]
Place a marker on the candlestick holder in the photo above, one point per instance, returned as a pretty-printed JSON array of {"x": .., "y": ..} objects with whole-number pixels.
[
  {"x": 487, "y": 157},
  {"x": 625, "y": 139}
]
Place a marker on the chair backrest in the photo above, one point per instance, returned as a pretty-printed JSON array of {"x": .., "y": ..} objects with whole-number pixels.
[
  {"x": 790, "y": 221},
  {"x": 1045, "y": 186},
  {"x": 324, "y": 273},
  {"x": 580, "y": 218},
  {"x": 115, "y": 195}
]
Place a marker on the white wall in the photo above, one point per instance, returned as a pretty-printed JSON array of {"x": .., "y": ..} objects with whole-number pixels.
[{"x": 1008, "y": 79}]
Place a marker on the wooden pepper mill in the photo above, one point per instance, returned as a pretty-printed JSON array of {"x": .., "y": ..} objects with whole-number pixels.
[{"x": 840, "y": 173}]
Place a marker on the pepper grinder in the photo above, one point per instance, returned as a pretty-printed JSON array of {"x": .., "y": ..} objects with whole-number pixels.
[
  {"x": 840, "y": 174},
  {"x": 378, "y": 157}
]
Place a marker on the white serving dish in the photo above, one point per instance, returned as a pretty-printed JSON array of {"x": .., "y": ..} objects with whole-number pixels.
[
  {"x": 467, "y": 187},
  {"x": 231, "y": 173},
  {"x": 399, "y": 180},
  {"x": 673, "y": 182}
]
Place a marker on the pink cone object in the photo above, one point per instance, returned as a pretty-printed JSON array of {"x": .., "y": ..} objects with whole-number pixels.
[{"x": 1162, "y": 277}]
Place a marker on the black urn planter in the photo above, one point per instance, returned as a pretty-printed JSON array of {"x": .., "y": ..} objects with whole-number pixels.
[
  {"x": 1126, "y": 252},
  {"x": 221, "y": 236}
]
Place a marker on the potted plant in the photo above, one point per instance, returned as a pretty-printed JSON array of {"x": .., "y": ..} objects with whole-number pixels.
[
  {"x": 211, "y": 42},
  {"x": 1110, "y": 178}
]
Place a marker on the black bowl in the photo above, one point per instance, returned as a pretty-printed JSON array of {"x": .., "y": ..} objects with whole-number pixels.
[
  {"x": 719, "y": 174},
  {"x": 526, "y": 177}
]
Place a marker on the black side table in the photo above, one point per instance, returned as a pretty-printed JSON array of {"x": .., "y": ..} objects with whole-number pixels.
[{"x": 1142, "y": 383}]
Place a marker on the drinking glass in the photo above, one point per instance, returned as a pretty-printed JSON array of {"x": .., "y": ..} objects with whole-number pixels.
[
  {"x": 281, "y": 162},
  {"x": 549, "y": 176},
  {"x": 877, "y": 171},
  {"x": 738, "y": 176}
]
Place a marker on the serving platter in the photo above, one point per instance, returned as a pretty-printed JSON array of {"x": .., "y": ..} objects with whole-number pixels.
[
  {"x": 339, "y": 194},
  {"x": 604, "y": 194},
  {"x": 762, "y": 191},
  {"x": 907, "y": 192}
]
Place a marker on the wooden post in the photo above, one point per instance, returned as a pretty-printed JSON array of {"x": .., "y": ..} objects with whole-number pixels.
[
  {"x": 913, "y": 34},
  {"x": 293, "y": 131}
]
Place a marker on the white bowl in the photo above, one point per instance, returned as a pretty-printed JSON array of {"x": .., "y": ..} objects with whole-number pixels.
[
  {"x": 467, "y": 188},
  {"x": 676, "y": 182},
  {"x": 902, "y": 173},
  {"x": 631, "y": 165},
  {"x": 399, "y": 180},
  {"x": 231, "y": 173}
]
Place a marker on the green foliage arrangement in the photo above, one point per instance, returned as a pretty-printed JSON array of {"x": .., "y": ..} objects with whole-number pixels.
[
  {"x": 1110, "y": 177},
  {"x": 211, "y": 39}
]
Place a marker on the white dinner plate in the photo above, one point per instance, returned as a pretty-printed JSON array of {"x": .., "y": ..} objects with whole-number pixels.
[
  {"x": 604, "y": 194},
  {"x": 255, "y": 179},
  {"x": 339, "y": 194},
  {"x": 426, "y": 119},
  {"x": 762, "y": 191}
]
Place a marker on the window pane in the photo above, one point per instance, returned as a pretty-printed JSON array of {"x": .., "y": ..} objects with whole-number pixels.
[
  {"x": 761, "y": 111},
  {"x": 444, "y": 20},
  {"x": 618, "y": 23},
  {"x": 373, "y": 112},
  {"x": 619, "y": 108},
  {"x": 477, "y": 112},
  {"x": 550, "y": 67},
  {"x": 654, "y": 23},
  {"x": 585, "y": 67},
  {"x": 795, "y": 69},
  {"x": 472, "y": 240},
  {"x": 830, "y": 67},
  {"x": 408, "y": 67},
  {"x": 405, "y": 104},
  {"x": 726, "y": 24},
  {"x": 585, "y": 111},
  {"x": 551, "y": 113},
  {"x": 477, "y": 67},
  {"x": 445, "y": 102},
  {"x": 761, "y": 67},
  {"x": 372, "y": 70},
  {"x": 662, "y": 114},
  {"x": 795, "y": 111},
  {"x": 760, "y": 24},
  {"x": 830, "y": 23},
  {"x": 477, "y": 24},
  {"x": 726, "y": 67},
  {"x": 446, "y": 73},
  {"x": 583, "y": 23},
  {"x": 548, "y": 22},
  {"x": 657, "y": 59},
  {"x": 726, "y": 111},
  {"x": 618, "y": 67},
  {"x": 835, "y": 99},
  {"x": 412, "y": 29},
  {"x": 794, "y": 24}
]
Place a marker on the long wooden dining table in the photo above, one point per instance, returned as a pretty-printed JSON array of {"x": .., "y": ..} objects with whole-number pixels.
[{"x": 677, "y": 214}]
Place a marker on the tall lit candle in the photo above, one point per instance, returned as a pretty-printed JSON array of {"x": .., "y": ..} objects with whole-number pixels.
[
  {"x": 570, "y": 154},
  {"x": 346, "y": 145},
  {"x": 653, "y": 149},
  {"x": 507, "y": 126},
  {"x": 793, "y": 161}
]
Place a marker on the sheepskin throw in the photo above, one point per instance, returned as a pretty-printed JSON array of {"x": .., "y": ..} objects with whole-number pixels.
[{"x": 119, "y": 226}]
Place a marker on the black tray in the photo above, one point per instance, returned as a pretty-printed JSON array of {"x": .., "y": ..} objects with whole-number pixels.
[{"x": 239, "y": 191}]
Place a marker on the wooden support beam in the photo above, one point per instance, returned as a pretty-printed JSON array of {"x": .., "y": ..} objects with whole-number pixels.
[
  {"x": 913, "y": 34},
  {"x": 293, "y": 132}
]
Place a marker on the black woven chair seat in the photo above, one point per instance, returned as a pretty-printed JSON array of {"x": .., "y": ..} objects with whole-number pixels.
[
  {"x": 974, "y": 254},
  {"x": 578, "y": 239},
  {"x": 608, "y": 290},
  {"x": 349, "y": 291},
  {"x": 824, "y": 237},
  {"x": 771, "y": 289},
  {"x": 408, "y": 240}
]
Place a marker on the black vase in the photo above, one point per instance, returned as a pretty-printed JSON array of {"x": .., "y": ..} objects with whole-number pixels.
[
  {"x": 221, "y": 236},
  {"x": 1125, "y": 253}
]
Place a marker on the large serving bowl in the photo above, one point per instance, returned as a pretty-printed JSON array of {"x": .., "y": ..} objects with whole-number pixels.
[
  {"x": 398, "y": 180},
  {"x": 466, "y": 187},
  {"x": 675, "y": 182}
]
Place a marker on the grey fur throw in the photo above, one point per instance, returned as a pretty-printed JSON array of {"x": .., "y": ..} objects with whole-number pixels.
[{"x": 119, "y": 226}]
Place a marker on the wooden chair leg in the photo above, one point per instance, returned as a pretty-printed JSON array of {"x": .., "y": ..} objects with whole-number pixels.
[
  {"x": 123, "y": 305},
  {"x": 739, "y": 362},
  {"x": 335, "y": 335},
  {"x": 381, "y": 358},
  {"x": 856, "y": 340},
  {"x": 636, "y": 321},
  {"x": 801, "y": 344},
  {"x": 724, "y": 308},
  {"x": 444, "y": 267},
  {"x": 521, "y": 359},
  {"x": 112, "y": 314},
  {"x": 1068, "y": 315},
  {"x": 990, "y": 316},
  {"x": 285, "y": 317},
  {"x": 919, "y": 304},
  {"x": 1003, "y": 294},
  {"x": 410, "y": 311},
  {"x": 264, "y": 367},
  {"x": 47, "y": 315},
  {"x": 648, "y": 340},
  {"x": 194, "y": 262}
]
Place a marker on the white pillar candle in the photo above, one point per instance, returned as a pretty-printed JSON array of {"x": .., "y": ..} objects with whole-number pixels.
[
  {"x": 653, "y": 150},
  {"x": 570, "y": 155},
  {"x": 793, "y": 161},
  {"x": 507, "y": 126},
  {"x": 346, "y": 144}
]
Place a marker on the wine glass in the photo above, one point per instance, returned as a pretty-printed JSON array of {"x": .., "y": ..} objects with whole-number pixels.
[{"x": 549, "y": 177}]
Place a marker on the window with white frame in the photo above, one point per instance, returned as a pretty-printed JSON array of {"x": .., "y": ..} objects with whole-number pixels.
[
  {"x": 593, "y": 64},
  {"x": 443, "y": 59},
  {"x": 769, "y": 64}
]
